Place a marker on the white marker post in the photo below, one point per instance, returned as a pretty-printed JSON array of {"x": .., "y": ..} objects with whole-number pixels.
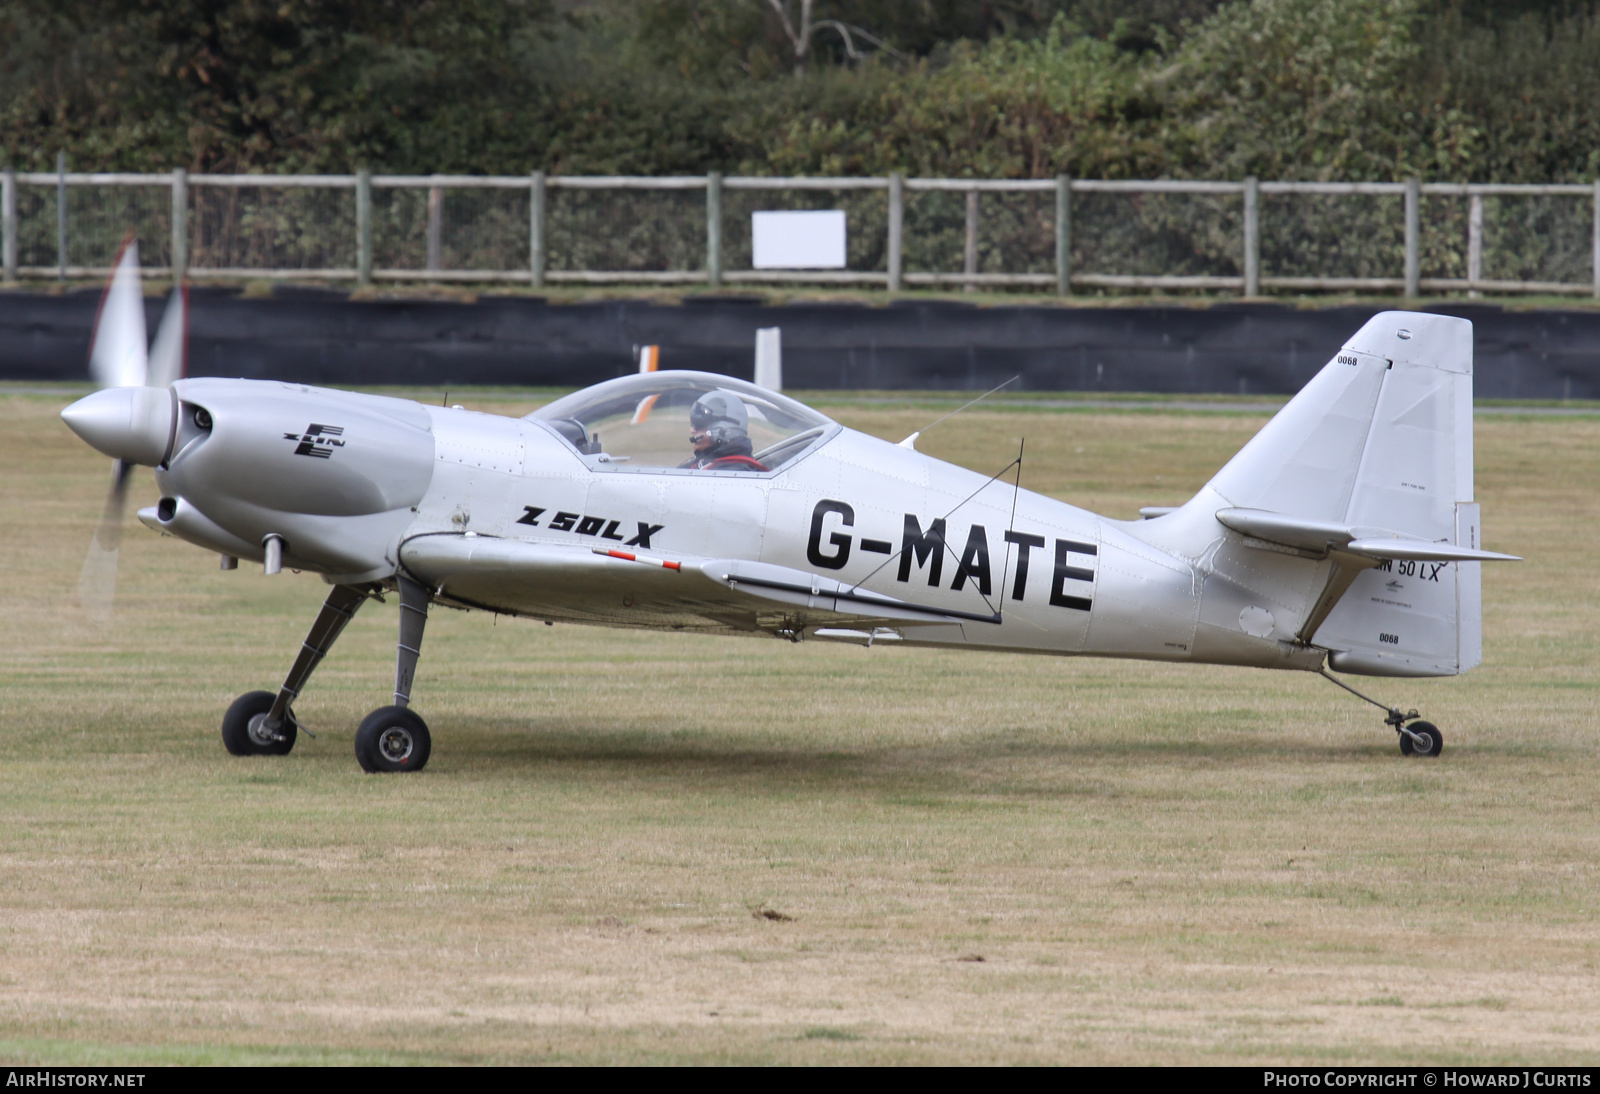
[{"x": 769, "y": 358}]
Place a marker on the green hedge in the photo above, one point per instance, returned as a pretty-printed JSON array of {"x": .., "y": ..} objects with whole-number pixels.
[
  {"x": 1339, "y": 89},
  {"x": 1280, "y": 89}
]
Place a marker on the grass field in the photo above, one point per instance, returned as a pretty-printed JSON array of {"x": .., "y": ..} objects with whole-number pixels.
[{"x": 639, "y": 848}]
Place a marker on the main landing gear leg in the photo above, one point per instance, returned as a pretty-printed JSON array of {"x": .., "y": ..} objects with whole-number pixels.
[
  {"x": 394, "y": 738},
  {"x": 1417, "y": 739},
  {"x": 261, "y": 724}
]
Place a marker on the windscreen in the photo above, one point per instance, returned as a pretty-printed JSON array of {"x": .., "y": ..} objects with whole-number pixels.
[{"x": 689, "y": 420}]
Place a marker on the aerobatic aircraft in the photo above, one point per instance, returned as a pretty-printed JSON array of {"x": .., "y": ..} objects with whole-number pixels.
[{"x": 1342, "y": 537}]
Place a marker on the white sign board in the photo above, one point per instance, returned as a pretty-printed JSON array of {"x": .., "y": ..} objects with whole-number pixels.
[{"x": 798, "y": 240}]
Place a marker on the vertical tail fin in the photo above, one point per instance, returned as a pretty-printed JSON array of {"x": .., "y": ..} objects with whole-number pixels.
[
  {"x": 1382, "y": 436},
  {"x": 1377, "y": 447}
]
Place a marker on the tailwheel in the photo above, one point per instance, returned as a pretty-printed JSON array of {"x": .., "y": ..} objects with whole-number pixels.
[
  {"x": 393, "y": 739},
  {"x": 1417, "y": 738},
  {"x": 1421, "y": 739},
  {"x": 247, "y": 729}
]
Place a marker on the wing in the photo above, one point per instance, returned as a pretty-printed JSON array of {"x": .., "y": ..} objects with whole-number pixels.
[{"x": 630, "y": 589}]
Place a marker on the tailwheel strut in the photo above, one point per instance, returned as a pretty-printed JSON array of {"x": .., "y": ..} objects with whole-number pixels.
[{"x": 1417, "y": 737}]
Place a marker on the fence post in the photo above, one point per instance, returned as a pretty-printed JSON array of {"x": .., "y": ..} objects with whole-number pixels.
[
  {"x": 435, "y": 228},
  {"x": 1413, "y": 237},
  {"x": 363, "y": 227},
  {"x": 8, "y": 222},
  {"x": 714, "y": 229},
  {"x": 897, "y": 216},
  {"x": 180, "y": 225},
  {"x": 1252, "y": 236},
  {"x": 1474, "y": 243},
  {"x": 969, "y": 255},
  {"x": 536, "y": 229},
  {"x": 1063, "y": 235},
  {"x": 1596, "y": 247},
  {"x": 61, "y": 215}
]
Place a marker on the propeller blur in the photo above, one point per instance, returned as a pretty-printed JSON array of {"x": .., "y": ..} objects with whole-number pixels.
[{"x": 129, "y": 418}]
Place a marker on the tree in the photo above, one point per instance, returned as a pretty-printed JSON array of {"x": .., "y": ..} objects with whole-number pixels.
[
  {"x": 1294, "y": 88},
  {"x": 801, "y": 29},
  {"x": 234, "y": 84}
]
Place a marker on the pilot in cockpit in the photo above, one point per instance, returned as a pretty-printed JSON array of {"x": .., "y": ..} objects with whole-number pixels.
[{"x": 719, "y": 430}]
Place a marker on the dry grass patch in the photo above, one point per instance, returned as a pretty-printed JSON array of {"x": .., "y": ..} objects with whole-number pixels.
[{"x": 1155, "y": 863}]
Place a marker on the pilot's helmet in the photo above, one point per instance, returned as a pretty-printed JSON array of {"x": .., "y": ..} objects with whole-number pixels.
[{"x": 721, "y": 415}]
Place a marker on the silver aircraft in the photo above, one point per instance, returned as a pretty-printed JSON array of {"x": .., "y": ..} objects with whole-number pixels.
[{"x": 1343, "y": 536}]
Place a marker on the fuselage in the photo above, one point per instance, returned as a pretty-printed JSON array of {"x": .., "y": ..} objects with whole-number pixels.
[{"x": 347, "y": 480}]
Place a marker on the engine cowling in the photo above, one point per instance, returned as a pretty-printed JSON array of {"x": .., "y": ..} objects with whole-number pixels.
[{"x": 334, "y": 474}]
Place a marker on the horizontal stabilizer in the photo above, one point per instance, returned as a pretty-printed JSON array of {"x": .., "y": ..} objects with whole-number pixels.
[
  {"x": 1320, "y": 536},
  {"x": 1298, "y": 532},
  {"x": 1419, "y": 551}
]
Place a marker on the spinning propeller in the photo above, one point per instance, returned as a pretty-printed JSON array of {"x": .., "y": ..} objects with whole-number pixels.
[{"x": 131, "y": 418}]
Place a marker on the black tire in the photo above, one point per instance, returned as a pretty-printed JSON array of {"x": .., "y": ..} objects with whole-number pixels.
[
  {"x": 1430, "y": 733},
  {"x": 393, "y": 739},
  {"x": 236, "y": 727}
]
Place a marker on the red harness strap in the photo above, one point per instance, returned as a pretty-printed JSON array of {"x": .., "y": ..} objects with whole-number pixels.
[{"x": 735, "y": 463}]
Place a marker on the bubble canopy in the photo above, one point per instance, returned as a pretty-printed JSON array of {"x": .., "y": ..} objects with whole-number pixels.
[{"x": 641, "y": 423}]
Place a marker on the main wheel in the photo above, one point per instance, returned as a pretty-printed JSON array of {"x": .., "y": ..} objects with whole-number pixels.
[
  {"x": 244, "y": 734},
  {"x": 393, "y": 739},
  {"x": 1433, "y": 740}
]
